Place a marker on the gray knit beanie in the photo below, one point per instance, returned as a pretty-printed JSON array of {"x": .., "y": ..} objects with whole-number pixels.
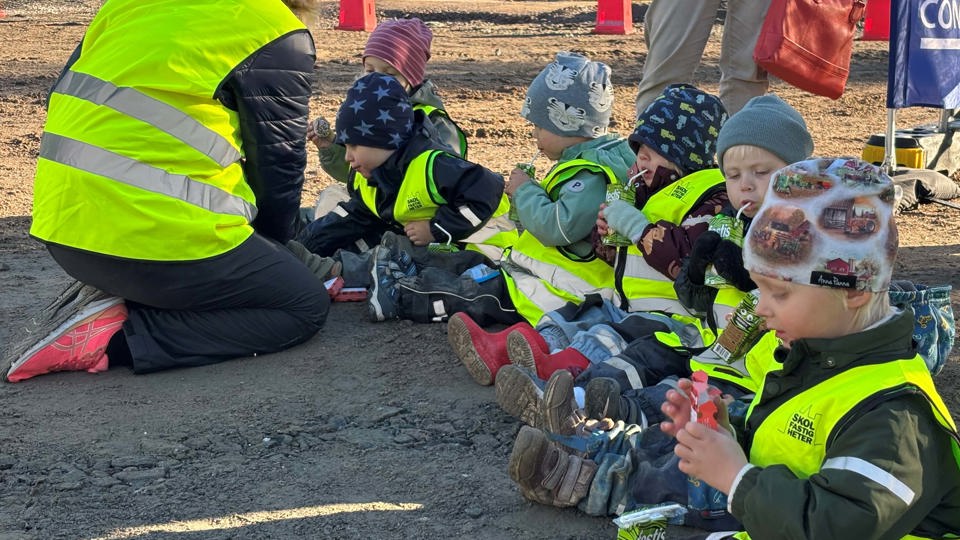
[
  {"x": 571, "y": 97},
  {"x": 770, "y": 123}
]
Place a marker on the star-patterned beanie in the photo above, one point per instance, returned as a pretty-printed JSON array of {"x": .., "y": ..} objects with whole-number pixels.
[
  {"x": 571, "y": 97},
  {"x": 682, "y": 125},
  {"x": 826, "y": 222},
  {"x": 376, "y": 113}
]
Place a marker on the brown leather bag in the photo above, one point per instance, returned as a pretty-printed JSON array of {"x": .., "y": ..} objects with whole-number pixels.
[{"x": 808, "y": 43}]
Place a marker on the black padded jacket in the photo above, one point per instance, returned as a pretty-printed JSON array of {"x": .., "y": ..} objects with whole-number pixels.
[{"x": 270, "y": 90}]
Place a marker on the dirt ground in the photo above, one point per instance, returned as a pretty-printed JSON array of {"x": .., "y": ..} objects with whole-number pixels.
[{"x": 368, "y": 429}]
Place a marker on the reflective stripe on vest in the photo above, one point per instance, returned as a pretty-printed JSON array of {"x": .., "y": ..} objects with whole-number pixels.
[
  {"x": 430, "y": 110},
  {"x": 647, "y": 289},
  {"x": 92, "y": 159},
  {"x": 136, "y": 150},
  {"x": 540, "y": 278},
  {"x": 148, "y": 110},
  {"x": 796, "y": 433}
]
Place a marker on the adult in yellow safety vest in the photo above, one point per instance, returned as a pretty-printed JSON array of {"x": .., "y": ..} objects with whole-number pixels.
[{"x": 169, "y": 177}]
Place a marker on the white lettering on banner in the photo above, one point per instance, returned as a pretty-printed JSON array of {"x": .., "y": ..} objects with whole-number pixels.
[
  {"x": 946, "y": 15},
  {"x": 940, "y": 15}
]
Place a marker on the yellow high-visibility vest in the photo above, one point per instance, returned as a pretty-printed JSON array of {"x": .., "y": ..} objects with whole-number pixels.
[
  {"x": 645, "y": 288},
  {"x": 540, "y": 278},
  {"x": 138, "y": 159},
  {"x": 418, "y": 199}
]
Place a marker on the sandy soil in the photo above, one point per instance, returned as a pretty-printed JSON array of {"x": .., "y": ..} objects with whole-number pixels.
[{"x": 366, "y": 430}]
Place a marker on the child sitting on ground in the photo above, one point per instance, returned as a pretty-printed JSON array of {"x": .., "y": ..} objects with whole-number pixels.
[
  {"x": 848, "y": 437},
  {"x": 569, "y": 104},
  {"x": 401, "y": 48},
  {"x": 763, "y": 137},
  {"x": 404, "y": 182},
  {"x": 679, "y": 189}
]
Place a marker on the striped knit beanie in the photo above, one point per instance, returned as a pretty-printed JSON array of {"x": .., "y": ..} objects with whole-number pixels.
[{"x": 404, "y": 44}]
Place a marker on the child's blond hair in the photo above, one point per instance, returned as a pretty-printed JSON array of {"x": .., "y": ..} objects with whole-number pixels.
[
  {"x": 746, "y": 151},
  {"x": 869, "y": 314}
]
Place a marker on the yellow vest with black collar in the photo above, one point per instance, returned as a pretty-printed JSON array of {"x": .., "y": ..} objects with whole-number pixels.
[
  {"x": 796, "y": 433},
  {"x": 418, "y": 199}
]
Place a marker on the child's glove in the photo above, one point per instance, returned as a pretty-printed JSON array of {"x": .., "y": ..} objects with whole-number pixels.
[
  {"x": 622, "y": 217},
  {"x": 728, "y": 262},
  {"x": 694, "y": 295},
  {"x": 704, "y": 251},
  {"x": 689, "y": 283}
]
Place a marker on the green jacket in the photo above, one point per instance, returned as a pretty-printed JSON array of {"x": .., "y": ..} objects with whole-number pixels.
[
  {"x": 333, "y": 158},
  {"x": 896, "y": 433},
  {"x": 569, "y": 220}
]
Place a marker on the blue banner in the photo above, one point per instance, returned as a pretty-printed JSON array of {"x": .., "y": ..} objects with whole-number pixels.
[{"x": 924, "y": 68}]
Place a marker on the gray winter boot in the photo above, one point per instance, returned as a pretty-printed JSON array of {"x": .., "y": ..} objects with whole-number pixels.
[{"x": 546, "y": 472}]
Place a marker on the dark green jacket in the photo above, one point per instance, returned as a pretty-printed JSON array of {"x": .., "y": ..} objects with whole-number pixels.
[{"x": 896, "y": 433}]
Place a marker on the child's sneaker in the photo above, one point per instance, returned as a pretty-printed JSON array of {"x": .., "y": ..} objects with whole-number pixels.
[
  {"x": 79, "y": 344},
  {"x": 520, "y": 394},
  {"x": 401, "y": 249},
  {"x": 546, "y": 472},
  {"x": 384, "y": 294}
]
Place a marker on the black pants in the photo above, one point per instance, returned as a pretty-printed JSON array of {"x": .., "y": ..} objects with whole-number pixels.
[
  {"x": 440, "y": 278},
  {"x": 350, "y": 232},
  {"x": 254, "y": 299}
]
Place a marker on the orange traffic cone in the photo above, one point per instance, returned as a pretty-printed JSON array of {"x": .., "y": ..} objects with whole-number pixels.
[
  {"x": 876, "y": 21},
  {"x": 357, "y": 15},
  {"x": 614, "y": 17}
]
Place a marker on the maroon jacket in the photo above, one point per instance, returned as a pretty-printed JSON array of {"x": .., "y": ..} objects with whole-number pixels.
[{"x": 664, "y": 245}]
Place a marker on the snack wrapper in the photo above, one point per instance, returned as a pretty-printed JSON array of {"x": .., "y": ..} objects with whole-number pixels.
[
  {"x": 322, "y": 128},
  {"x": 702, "y": 498},
  {"x": 532, "y": 173},
  {"x": 649, "y": 523},
  {"x": 703, "y": 409}
]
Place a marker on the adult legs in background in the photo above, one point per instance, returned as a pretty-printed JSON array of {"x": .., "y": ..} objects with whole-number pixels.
[
  {"x": 676, "y": 33},
  {"x": 740, "y": 77}
]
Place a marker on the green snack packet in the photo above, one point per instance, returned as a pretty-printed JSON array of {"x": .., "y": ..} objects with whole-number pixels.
[
  {"x": 619, "y": 192},
  {"x": 731, "y": 229},
  {"x": 532, "y": 173},
  {"x": 742, "y": 332}
]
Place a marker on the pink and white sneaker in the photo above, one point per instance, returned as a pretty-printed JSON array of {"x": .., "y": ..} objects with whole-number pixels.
[{"x": 79, "y": 344}]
